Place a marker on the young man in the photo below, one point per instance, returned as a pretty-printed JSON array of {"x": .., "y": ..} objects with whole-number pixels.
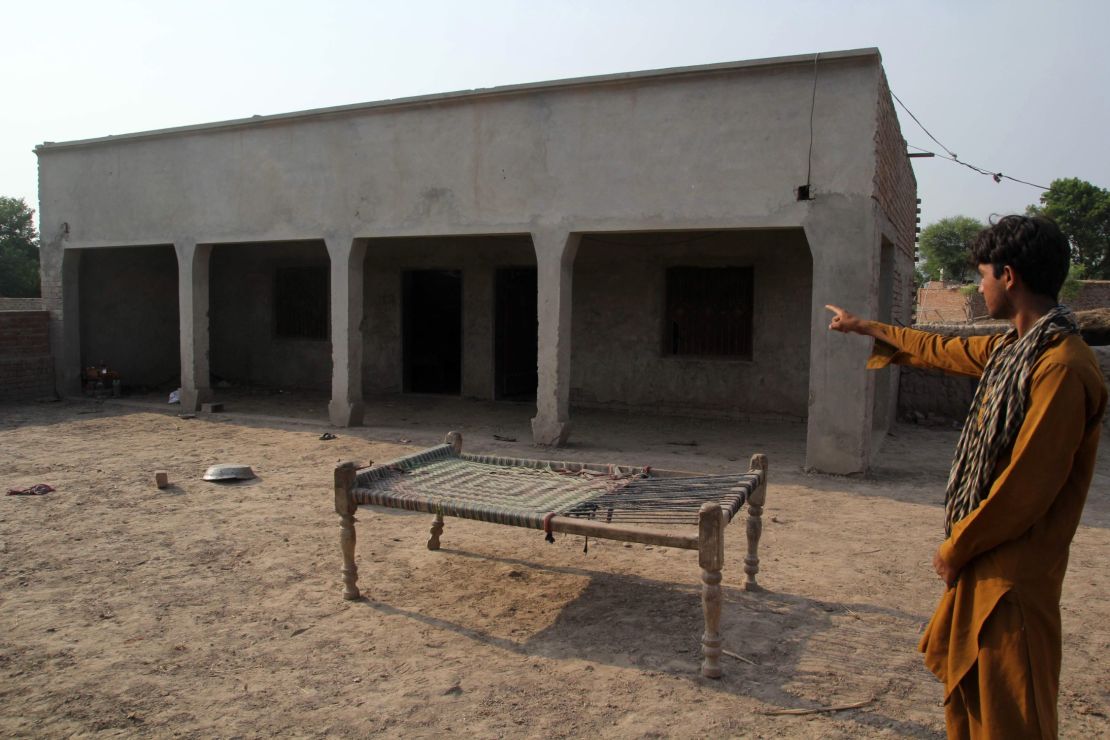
[{"x": 1018, "y": 483}]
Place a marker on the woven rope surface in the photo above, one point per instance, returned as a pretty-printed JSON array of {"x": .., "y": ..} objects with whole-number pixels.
[{"x": 521, "y": 492}]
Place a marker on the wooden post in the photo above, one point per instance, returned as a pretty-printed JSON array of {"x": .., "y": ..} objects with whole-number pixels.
[
  {"x": 711, "y": 557},
  {"x": 437, "y": 530},
  {"x": 455, "y": 440},
  {"x": 345, "y": 507},
  {"x": 755, "y": 523}
]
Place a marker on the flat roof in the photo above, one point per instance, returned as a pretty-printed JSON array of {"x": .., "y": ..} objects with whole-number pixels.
[{"x": 463, "y": 95}]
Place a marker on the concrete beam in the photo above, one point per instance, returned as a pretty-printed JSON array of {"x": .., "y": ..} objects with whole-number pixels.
[
  {"x": 555, "y": 253},
  {"x": 347, "y": 256},
  {"x": 192, "y": 292},
  {"x": 844, "y": 240}
]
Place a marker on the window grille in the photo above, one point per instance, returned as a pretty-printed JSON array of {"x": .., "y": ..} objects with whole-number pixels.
[
  {"x": 301, "y": 302},
  {"x": 709, "y": 312}
]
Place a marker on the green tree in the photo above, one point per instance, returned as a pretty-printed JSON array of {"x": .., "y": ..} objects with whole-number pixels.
[
  {"x": 1072, "y": 287},
  {"x": 946, "y": 245},
  {"x": 1082, "y": 211},
  {"x": 19, "y": 250}
]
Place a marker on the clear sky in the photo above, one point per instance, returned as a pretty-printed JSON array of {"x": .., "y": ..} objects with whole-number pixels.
[{"x": 1012, "y": 86}]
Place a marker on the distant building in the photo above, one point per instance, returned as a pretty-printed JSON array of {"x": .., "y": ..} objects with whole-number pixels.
[
  {"x": 948, "y": 303},
  {"x": 1092, "y": 294},
  {"x": 661, "y": 241}
]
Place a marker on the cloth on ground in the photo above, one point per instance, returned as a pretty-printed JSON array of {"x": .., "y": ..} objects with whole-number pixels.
[{"x": 36, "y": 490}]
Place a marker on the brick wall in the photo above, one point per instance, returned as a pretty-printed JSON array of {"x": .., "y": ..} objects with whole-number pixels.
[
  {"x": 895, "y": 190},
  {"x": 942, "y": 303},
  {"x": 20, "y": 304},
  {"x": 932, "y": 397},
  {"x": 26, "y": 367},
  {"x": 1092, "y": 294}
]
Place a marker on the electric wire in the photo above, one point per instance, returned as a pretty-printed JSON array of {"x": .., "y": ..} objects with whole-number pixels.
[
  {"x": 951, "y": 153},
  {"x": 812, "y": 106},
  {"x": 997, "y": 176}
]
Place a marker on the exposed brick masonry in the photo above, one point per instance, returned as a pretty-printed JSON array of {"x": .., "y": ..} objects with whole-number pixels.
[
  {"x": 933, "y": 397},
  {"x": 21, "y": 304},
  {"x": 1092, "y": 294},
  {"x": 939, "y": 302},
  {"x": 896, "y": 193},
  {"x": 26, "y": 367}
]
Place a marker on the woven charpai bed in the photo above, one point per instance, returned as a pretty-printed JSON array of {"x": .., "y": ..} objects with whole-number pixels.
[{"x": 602, "y": 501}]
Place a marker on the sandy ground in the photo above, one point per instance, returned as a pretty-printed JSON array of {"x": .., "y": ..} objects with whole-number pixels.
[{"x": 215, "y": 611}]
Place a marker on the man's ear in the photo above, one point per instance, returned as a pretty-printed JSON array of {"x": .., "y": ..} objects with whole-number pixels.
[{"x": 1010, "y": 279}]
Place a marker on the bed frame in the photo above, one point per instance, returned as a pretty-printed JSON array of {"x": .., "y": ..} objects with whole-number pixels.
[{"x": 500, "y": 502}]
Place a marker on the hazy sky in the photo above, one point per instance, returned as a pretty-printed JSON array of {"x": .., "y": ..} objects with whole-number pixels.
[{"x": 1017, "y": 87}]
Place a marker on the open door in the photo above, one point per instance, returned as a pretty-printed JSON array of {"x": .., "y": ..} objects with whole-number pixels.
[
  {"x": 432, "y": 326},
  {"x": 515, "y": 334}
]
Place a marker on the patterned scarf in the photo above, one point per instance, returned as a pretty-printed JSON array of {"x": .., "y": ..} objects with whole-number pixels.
[{"x": 997, "y": 411}]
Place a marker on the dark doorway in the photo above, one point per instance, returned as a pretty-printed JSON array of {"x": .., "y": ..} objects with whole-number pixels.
[
  {"x": 515, "y": 344},
  {"x": 433, "y": 331}
]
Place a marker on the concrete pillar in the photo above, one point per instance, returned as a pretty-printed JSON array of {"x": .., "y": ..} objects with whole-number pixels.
[
  {"x": 478, "y": 331},
  {"x": 844, "y": 240},
  {"x": 192, "y": 295},
  {"x": 555, "y": 252},
  {"x": 347, "y": 256},
  {"x": 65, "y": 332}
]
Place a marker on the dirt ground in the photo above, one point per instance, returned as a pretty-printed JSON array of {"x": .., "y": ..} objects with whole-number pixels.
[{"x": 215, "y": 611}]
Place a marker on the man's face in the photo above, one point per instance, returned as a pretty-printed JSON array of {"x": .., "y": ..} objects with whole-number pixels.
[{"x": 994, "y": 291}]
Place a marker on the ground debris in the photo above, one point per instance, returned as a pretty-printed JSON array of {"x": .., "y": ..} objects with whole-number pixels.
[{"x": 815, "y": 710}]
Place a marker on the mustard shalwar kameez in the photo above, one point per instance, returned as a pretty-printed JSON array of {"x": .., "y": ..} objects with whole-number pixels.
[{"x": 994, "y": 639}]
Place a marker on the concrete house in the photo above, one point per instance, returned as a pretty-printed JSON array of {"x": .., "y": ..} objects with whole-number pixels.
[{"x": 661, "y": 241}]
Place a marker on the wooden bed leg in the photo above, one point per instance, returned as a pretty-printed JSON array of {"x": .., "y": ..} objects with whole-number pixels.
[
  {"x": 455, "y": 440},
  {"x": 437, "y": 530},
  {"x": 711, "y": 557},
  {"x": 345, "y": 507},
  {"x": 755, "y": 524}
]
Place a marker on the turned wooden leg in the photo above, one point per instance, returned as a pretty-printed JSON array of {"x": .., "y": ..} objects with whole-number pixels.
[
  {"x": 437, "y": 530},
  {"x": 711, "y": 557},
  {"x": 455, "y": 440},
  {"x": 345, "y": 506},
  {"x": 755, "y": 523}
]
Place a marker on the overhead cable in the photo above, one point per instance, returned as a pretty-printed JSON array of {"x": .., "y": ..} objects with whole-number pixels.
[{"x": 997, "y": 176}]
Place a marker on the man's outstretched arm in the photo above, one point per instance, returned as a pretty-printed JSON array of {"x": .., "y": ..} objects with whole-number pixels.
[{"x": 959, "y": 355}]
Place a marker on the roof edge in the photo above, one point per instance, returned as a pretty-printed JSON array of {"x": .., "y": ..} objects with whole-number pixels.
[{"x": 459, "y": 95}]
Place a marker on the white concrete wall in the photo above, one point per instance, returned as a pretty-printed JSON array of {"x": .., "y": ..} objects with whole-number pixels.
[
  {"x": 244, "y": 346},
  {"x": 129, "y": 318},
  {"x": 477, "y": 258},
  {"x": 722, "y": 147},
  {"x": 618, "y": 357},
  {"x": 703, "y": 149}
]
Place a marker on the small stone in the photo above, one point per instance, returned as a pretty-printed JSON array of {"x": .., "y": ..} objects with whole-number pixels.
[{"x": 161, "y": 478}]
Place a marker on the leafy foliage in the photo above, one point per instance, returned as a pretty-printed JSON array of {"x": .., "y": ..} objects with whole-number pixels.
[
  {"x": 1082, "y": 211},
  {"x": 1072, "y": 286},
  {"x": 19, "y": 250},
  {"x": 946, "y": 245}
]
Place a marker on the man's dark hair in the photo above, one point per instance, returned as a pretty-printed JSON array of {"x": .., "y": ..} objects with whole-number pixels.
[{"x": 1032, "y": 246}]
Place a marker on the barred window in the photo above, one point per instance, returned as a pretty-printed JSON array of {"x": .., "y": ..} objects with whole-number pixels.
[
  {"x": 709, "y": 312},
  {"x": 301, "y": 302}
]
